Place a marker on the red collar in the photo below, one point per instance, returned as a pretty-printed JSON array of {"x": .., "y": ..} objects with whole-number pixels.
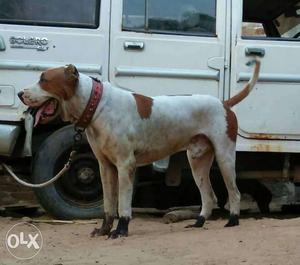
[{"x": 91, "y": 106}]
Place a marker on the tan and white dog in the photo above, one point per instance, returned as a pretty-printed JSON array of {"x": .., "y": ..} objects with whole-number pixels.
[{"x": 130, "y": 130}]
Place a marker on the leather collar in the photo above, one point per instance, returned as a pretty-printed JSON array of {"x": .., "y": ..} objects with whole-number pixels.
[{"x": 91, "y": 106}]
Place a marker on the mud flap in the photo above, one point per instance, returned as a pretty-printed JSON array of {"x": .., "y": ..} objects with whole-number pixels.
[{"x": 29, "y": 120}]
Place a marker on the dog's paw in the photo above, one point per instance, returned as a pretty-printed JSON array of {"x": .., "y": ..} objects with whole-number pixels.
[
  {"x": 233, "y": 220},
  {"x": 99, "y": 232},
  {"x": 199, "y": 223},
  {"x": 117, "y": 233}
]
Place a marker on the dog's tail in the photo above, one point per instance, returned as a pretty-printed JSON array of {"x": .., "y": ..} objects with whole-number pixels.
[{"x": 247, "y": 89}]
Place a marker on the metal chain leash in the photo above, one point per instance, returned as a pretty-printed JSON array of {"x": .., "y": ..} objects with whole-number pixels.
[{"x": 75, "y": 148}]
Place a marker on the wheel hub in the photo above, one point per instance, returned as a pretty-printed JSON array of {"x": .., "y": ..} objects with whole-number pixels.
[
  {"x": 82, "y": 181},
  {"x": 86, "y": 175}
]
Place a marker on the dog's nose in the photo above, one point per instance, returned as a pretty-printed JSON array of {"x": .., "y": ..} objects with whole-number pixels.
[{"x": 20, "y": 95}]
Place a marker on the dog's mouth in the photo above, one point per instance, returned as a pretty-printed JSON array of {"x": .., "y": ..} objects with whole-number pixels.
[{"x": 44, "y": 113}]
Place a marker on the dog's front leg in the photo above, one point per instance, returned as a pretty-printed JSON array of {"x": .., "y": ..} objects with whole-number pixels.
[
  {"x": 126, "y": 175},
  {"x": 109, "y": 179}
]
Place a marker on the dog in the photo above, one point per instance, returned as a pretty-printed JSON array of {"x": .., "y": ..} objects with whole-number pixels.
[{"x": 126, "y": 130}]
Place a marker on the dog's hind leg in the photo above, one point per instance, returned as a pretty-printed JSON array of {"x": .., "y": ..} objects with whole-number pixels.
[
  {"x": 226, "y": 160},
  {"x": 109, "y": 179},
  {"x": 201, "y": 155}
]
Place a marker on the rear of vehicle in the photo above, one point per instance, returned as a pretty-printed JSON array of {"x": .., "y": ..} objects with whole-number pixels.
[{"x": 34, "y": 36}]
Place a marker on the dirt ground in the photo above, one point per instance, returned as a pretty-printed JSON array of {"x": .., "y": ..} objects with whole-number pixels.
[{"x": 266, "y": 241}]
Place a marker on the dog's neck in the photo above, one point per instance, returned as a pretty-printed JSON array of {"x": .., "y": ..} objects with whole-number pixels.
[{"x": 73, "y": 108}]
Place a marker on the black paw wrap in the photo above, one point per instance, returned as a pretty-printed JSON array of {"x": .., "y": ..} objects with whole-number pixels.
[
  {"x": 123, "y": 224},
  {"x": 122, "y": 228},
  {"x": 199, "y": 223},
  {"x": 233, "y": 220}
]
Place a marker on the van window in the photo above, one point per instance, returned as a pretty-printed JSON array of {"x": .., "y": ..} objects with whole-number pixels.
[
  {"x": 189, "y": 17},
  {"x": 63, "y": 13},
  {"x": 277, "y": 21}
]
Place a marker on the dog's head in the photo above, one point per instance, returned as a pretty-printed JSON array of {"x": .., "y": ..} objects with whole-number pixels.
[{"x": 55, "y": 85}]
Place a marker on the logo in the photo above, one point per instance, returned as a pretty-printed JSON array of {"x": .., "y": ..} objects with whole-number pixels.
[
  {"x": 40, "y": 44},
  {"x": 24, "y": 241}
]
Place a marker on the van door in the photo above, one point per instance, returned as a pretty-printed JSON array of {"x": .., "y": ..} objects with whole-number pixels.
[
  {"x": 272, "y": 32},
  {"x": 168, "y": 47},
  {"x": 36, "y": 35}
]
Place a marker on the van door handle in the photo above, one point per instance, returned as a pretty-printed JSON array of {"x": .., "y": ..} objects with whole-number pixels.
[
  {"x": 2, "y": 44},
  {"x": 252, "y": 51},
  {"x": 134, "y": 45}
]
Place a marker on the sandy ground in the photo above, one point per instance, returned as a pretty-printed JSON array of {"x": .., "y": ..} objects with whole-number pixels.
[{"x": 266, "y": 241}]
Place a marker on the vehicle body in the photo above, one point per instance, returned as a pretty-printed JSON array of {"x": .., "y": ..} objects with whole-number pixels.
[{"x": 163, "y": 48}]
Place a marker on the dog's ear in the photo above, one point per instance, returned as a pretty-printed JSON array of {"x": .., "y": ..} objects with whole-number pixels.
[{"x": 71, "y": 72}]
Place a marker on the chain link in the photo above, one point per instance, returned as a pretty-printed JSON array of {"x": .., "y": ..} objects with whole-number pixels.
[{"x": 77, "y": 137}]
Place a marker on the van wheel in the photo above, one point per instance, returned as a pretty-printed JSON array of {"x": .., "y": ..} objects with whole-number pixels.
[{"x": 77, "y": 194}]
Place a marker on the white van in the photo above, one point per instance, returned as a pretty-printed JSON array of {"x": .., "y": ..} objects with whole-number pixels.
[{"x": 154, "y": 47}]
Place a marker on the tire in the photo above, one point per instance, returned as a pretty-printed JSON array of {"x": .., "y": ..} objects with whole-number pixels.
[{"x": 77, "y": 194}]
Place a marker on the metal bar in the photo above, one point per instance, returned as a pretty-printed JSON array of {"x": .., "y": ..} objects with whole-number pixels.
[
  {"x": 173, "y": 73},
  {"x": 270, "y": 174},
  {"x": 30, "y": 66},
  {"x": 284, "y": 78},
  {"x": 146, "y": 15}
]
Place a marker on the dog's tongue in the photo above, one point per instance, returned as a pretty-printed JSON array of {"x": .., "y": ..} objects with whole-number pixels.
[
  {"x": 44, "y": 109},
  {"x": 38, "y": 115}
]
